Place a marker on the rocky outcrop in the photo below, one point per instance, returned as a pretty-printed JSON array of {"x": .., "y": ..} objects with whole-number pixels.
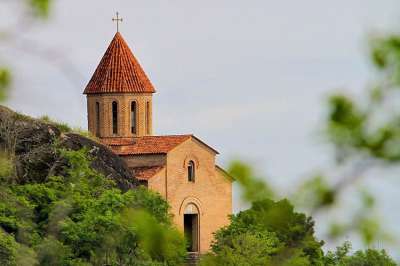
[{"x": 33, "y": 143}]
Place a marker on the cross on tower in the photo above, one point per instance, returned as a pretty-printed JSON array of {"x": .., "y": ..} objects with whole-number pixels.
[{"x": 118, "y": 20}]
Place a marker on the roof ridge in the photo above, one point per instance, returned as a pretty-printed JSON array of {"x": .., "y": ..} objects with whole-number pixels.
[
  {"x": 109, "y": 63},
  {"x": 173, "y": 135}
]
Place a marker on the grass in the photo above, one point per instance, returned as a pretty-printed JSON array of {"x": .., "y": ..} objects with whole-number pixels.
[{"x": 65, "y": 128}]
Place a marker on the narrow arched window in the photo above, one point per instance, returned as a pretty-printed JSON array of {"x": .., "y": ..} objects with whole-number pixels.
[
  {"x": 148, "y": 118},
  {"x": 191, "y": 171},
  {"x": 97, "y": 119},
  {"x": 133, "y": 117},
  {"x": 115, "y": 117}
]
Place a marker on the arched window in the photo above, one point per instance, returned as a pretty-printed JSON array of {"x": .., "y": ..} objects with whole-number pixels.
[
  {"x": 133, "y": 117},
  {"x": 97, "y": 119},
  {"x": 191, "y": 171},
  {"x": 115, "y": 117},
  {"x": 148, "y": 118}
]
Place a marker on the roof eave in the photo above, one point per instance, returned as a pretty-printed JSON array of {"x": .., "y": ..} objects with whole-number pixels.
[
  {"x": 205, "y": 144},
  {"x": 224, "y": 172}
]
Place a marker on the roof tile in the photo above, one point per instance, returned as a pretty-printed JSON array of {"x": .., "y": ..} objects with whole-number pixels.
[
  {"x": 147, "y": 172},
  {"x": 146, "y": 144},
  {"x": 119, "y": 72}
]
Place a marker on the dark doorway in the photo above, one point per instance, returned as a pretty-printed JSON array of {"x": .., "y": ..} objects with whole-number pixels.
[{"x": 191, "y": 225}]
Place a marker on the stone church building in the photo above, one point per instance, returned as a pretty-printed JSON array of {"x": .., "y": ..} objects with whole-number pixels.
[{"x": 180, "y": 167}]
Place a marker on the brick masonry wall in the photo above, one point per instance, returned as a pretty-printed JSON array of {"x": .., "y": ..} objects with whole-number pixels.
[
  {"x": 211, "y": 192},
  {"x": 145, "y": 160},
  {"x": 124, "y": 114},
  {"x": 157, "y": 183}
]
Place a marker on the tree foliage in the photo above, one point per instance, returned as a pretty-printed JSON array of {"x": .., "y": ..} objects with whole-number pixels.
[
  {"x": 369, "y": 257},
  {"x": 82, "y": 218},
  {"x": 273, "y": 231}
]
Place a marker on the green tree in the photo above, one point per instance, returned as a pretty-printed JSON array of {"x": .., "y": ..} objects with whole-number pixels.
[
  {"x": 369, "y": 257},
  {"x": 273, "y": 231},
  {"x": 82, "y": 218},
  {"x": 8, "y": 249}
]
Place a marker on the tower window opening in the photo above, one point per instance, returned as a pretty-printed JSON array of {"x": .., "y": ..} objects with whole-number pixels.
[
  {"x": 115, "y": 117},
  {"x": 148, "y": 118},
  {"x": 133, "y": 117},
  {"x": 97, "y": 119},
  {"x": 191, "y": 171}
]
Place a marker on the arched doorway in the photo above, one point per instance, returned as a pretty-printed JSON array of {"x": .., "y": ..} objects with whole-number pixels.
[{"x": 191, "y": 227}]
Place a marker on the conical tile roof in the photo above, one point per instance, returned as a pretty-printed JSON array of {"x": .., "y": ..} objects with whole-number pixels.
[{"x": 119, "y": 72}]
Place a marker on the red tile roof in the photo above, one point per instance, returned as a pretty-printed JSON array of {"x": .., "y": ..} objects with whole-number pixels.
[
  {"x": 118, "y": 141},
  {"x": 147, "y": 172},
  {"x": 149, "y": 144},
  {"x": 119, "y": 72}
]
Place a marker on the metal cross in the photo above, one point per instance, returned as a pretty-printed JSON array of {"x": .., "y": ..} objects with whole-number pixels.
[{"x": 118, "y": 20}]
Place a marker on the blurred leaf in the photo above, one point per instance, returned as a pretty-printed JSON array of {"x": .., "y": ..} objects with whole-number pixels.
[
  {"x": 369, "y": 229},
  {"x": 161, "y": 242},
  {"x": 253, "y": 188},
  {"x": 5, "y": 81},
  {"x": 377, "y": 94},
  {"x": 385, "y": 54},
  {"x": 337, "y": 230},
  {"x": 379, "y": 58},
  {"x": 345, "y": 125},
  {"x": 314, "y": 193},
  {"x": 41, "y": 8},
  {"x": 367, "y": 199}
]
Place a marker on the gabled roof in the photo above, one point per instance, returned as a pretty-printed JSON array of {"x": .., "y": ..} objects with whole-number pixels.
[
  {"x": 119, "y": 72},
  {"x": 146, "y": 172},
  {"x": 224, "y": 172},
  {"x": 149, "y": 144}
]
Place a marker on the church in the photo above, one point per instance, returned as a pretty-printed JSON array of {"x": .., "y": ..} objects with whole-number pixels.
[{"x": 181, "y": 168}]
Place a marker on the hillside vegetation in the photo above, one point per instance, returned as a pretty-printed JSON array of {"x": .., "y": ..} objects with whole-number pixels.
[{"x": 68, "y": 200}]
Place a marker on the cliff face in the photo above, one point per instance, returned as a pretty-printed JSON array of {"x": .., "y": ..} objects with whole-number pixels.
[{"x": 33, "y": 142}]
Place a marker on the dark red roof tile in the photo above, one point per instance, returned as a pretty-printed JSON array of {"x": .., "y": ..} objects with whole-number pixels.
[
  {"x": 147, "y": 172},
  {"x": 119, "y": 72},
  {"x": 148, "y": 145}
]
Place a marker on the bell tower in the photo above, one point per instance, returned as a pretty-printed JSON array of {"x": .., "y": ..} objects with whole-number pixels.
[{"x": 119, "y": 95}]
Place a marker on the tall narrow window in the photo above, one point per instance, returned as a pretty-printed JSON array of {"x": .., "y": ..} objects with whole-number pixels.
[
  {"x": 191, "y": 171},
  {"x": 148, "y": 118},
  {"x": 97, "y": 119},
  {"x": 133, "y": 117},
  {"x": 115, "y": 117}
]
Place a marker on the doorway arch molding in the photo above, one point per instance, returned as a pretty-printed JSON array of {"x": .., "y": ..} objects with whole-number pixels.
[{"x": 190, "y": 200}]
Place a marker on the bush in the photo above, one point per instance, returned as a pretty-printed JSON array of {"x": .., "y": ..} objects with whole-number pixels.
[
  {"x": 8, "y": 249},
  {"x": 268, "y": 232},
  {"x": 369, "y": 257},
  {"x": 83, "y": 218}
]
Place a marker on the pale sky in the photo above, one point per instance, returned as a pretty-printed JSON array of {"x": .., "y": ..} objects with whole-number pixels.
[{"x": 248, "y": 77}]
